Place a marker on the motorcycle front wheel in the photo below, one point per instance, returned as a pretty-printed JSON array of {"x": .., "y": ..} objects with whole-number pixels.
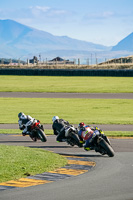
[
  {"x": 41, "y": 135},
  {"x": 33, "y": 138},
  {"x": 108, "y": 149},
  {"x": 75, "y": 140}
]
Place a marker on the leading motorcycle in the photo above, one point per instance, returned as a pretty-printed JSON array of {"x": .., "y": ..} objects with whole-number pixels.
[{"x": 100, "y": 143}]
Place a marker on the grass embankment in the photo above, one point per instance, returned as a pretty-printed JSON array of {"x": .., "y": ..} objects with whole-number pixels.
[
  {"x": 66, "y": 84},
  {"x": 91, "y": 111},
  {"x": 19, "y": 132},
  {"x": 17, "y": 162},
  {"x": 50, "y": 132}
]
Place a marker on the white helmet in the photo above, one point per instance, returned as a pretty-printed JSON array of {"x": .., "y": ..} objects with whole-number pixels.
[{"x": 55, "y": 118}]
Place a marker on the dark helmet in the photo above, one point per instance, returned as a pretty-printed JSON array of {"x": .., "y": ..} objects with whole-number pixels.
[
  {"x": 20, "y": 114},
  {"x": 81, "y": 125}
]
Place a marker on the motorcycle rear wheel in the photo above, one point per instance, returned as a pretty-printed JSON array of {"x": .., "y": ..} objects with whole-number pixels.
[{"x": 108, "y": 149}]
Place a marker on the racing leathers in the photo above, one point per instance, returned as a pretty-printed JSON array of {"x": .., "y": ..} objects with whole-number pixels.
[
  {"x": 25, "y": 122},
  {"x": 59, "y": 126},
  {"x": 85, "y": 135}
]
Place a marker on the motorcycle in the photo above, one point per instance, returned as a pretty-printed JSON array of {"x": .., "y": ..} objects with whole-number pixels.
[
  {"x": 71, "y": 136},
  {"x": 36, "y": 131},
  {"x": 100, "y": 143}
]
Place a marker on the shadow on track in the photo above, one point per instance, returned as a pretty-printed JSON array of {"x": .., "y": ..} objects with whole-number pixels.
[
  {"x": 81, "y": 155},
  {"x": 4, "y": 142},
  {"x": 52, "y": 147}
]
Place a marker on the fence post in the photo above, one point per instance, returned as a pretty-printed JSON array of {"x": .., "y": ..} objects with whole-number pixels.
[
  {"x": 88, "y": 61},
  {"x": 27, "y": 61},
  {"x": 91, "y": 58},
  {"x": 78, "y": 61},
  {"x": 46, "y": 62},
  {"x": 96, "y": 61}
]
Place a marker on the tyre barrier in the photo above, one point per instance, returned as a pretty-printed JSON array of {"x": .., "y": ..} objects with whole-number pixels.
[{"x": 68, "y": 72}]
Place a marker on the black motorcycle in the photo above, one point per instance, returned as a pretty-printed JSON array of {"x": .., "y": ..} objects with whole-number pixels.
[
  {"x": 100, "y": 143},
  {"x": 71, "y": 136}
]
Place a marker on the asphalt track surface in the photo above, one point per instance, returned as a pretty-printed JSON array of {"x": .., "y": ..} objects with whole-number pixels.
[
  {"x": 68, "y": 95},
  {"x": 110, "y": 179}
]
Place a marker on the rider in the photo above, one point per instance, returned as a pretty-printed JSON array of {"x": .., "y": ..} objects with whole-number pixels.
[
  {"x": 59, "y": 126},
  {"x": 85, "y": 134},
  {"x": 25, "y": 122}
]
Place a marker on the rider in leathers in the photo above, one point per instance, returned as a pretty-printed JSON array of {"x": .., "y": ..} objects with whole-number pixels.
[
  {"x": 85, "y": 134},
  {"x": 59, "y": 126},
  {"x": 25, "y": 122}
]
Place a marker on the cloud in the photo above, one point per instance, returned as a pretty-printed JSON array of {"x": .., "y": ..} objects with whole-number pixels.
[
  {"x": 43, "y": 8},
  {"x": 108, "y": 14},
  {"x": 98, "y": 16},
  {"x": 38, "y": 14},
  {"x": 37, "y": 11},
  {"x": 48, "y": 12}
]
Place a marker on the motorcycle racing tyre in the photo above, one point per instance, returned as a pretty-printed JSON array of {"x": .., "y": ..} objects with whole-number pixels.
[
  {"x": 41, "y": 135},
  {"x": 33, "y": 138},
  {"x": 107, "y": 148},
  {"x": 76, "y": 140}
]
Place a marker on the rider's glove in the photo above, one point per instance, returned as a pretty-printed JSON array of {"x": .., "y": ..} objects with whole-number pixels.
[
  {"x": 82, "y": 142},
  {"x": 96, "y": 128},
  {"x": 24, "y": 134},
  {"x": 101, "y": 131},
  {"x": 87, "y": 148},
  {"x": 21, "y": 127}
]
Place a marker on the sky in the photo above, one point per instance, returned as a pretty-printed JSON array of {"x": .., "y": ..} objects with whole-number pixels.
[{"x": 103, "y": 22}]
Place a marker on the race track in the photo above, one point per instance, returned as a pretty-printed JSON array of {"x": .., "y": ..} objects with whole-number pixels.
[
  {"x": 110, "y": 179},
  {"x": 68, "y": 95}
]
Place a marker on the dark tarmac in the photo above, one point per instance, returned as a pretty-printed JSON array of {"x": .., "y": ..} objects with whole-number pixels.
[{"x": 68, "y": 95}]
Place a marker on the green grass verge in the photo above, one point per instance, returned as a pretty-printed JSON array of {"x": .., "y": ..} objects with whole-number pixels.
[
  {"x": 19, "y": 132},
  {"x": 91, "y": 111},
  {"x": 66, "y": 84},
  {"x": 119, "y": 133},
  {"x": 50, "y": 132},
  {"x": 17, "y": 162}
]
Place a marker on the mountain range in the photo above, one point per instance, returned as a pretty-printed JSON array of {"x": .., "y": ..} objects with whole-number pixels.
[
  {"x": 125, "y": 45},
  {"x": 18, "y": 40}
]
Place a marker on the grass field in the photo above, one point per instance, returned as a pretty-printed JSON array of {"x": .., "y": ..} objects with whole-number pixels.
[
  {"x": 91, "y": 111},
  {"x": 50, "y": 132},
  {"x": 19, "y": 132},
  {"x": 17, "y": 162},
  {"x": 66, "y": 84}
]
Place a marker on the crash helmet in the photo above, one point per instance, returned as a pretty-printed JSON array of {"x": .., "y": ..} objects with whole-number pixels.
[
  {"x": 55, "y": 118},
  {"x": 81, "y": 126},
  {"x": 20, "y": 114}
]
